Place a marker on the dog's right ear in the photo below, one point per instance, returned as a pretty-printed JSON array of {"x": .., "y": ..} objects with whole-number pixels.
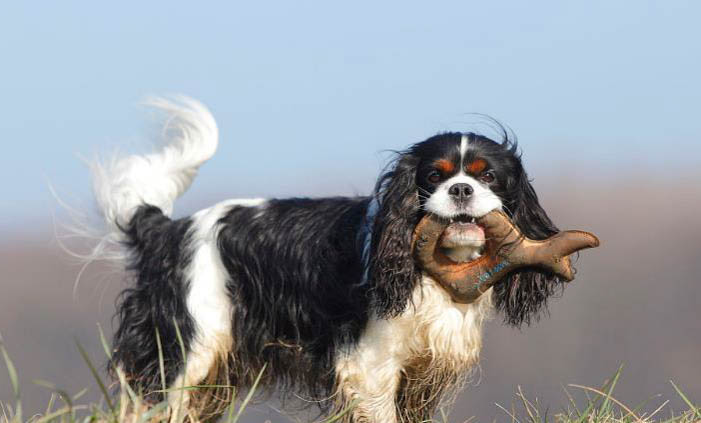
[{"x": 393, "y": 272}]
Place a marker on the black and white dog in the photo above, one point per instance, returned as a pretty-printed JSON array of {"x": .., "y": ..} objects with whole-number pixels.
[{"x": 323, "y": 292}]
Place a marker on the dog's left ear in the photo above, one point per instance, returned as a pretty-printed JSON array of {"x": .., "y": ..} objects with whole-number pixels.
[
  {"x": 393, "y": 272},
  {"x": 523, "y": 295}
]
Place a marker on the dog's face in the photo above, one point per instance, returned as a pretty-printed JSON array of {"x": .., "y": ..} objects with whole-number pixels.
[
  {"x": 458, "y": 177},
  {"x": 461, "y": 178}
]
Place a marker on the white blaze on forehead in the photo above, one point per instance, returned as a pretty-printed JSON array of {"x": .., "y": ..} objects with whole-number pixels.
[{"x": 463, "y": 147}]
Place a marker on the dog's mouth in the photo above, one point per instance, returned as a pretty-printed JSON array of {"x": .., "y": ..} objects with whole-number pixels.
[
  {"x": 463, "y": 235},
  {"x": 463, "y": 219}
]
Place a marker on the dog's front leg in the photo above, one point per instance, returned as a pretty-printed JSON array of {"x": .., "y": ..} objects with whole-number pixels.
[{"x": 368, "y": 375}]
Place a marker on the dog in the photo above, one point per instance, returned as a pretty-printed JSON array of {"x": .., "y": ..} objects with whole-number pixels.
[{"x": 319, "y": 298}]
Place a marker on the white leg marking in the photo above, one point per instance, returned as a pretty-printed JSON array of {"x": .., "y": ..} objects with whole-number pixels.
[{"x": 207, "y": 299}]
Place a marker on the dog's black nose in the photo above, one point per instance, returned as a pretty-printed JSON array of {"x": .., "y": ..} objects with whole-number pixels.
[{"x": 460, "y": 192}]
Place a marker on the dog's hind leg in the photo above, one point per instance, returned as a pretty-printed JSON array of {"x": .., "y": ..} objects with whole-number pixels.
[
  {"x": 209, "y": 306},
  {"x": 203, "y": 390}
]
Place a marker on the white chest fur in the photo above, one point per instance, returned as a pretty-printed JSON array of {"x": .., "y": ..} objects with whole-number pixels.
[{"x": 440, "y": 336}]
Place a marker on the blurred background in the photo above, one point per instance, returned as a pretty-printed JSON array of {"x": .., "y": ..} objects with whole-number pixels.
[{"x": 604, "y": 97}]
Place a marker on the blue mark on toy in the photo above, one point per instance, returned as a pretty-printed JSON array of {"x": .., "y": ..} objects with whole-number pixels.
[{"x": 489, "y": 273}]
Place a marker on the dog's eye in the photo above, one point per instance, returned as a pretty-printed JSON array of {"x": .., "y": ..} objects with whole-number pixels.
[
  {"x": 488, "y": 177},
  {"x": 434, "y": 176}
]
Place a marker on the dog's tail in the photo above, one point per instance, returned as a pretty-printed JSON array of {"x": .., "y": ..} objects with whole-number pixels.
[{"x": 124, "y": 183}]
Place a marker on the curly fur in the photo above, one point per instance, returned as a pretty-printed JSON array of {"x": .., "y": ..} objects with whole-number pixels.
[{"x": 392, "y": 267}]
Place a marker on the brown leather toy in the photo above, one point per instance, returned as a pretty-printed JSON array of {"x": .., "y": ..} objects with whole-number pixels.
[{"x": 506, "y": 249}]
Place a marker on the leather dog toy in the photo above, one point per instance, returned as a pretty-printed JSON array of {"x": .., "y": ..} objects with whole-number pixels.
[{"x": 506, "y": 249}]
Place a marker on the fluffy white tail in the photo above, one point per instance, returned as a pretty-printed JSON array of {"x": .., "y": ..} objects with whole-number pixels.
[{"x": 121, "y": 185}]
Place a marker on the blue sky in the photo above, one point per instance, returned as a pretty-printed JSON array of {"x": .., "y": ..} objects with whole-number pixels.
[{"x": 308, "y": 94}]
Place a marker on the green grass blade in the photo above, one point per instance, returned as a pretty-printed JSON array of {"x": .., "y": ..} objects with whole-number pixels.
[
  {"x": 353, "y": 404},
  {"x": 125, "y": 386},
  {"x": 80, "y": 394},
  {"x": 58, "y": 413},
  {"x": 191, "y": 388},
  {"x": 161, "y": 362},
  {"x": 249, "y": 395},
  {"x": 103, "y": 341},
  {"x": 65, "y": 396},
  {"x": 607, "y": 401},
  {"x": 639, "y": 407},
  {"x": 585, "y": 416},
  {"x": 96, "y": 375},
  {"x": 51, "y": 403},
  {"x": 179, "y": 417},
  {"x": 14, "y": 380},
  {"x": 696, "y": 410},
  {"x": 232, "y": 407},
  {"x": 444, "y": 415},
  {"x": 509, "y": 413},
  {"x": 572, "y": 403}
]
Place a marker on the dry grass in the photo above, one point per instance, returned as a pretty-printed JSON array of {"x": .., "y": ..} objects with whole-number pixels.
[
  {"x": 600, "y": 407},
  {"x": 126, "y": 406}
]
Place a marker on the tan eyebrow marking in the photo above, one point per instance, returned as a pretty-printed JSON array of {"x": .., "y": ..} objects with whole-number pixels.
[
  {"x": 476, "y": 166},
  {"x": 445, "y": 166}
]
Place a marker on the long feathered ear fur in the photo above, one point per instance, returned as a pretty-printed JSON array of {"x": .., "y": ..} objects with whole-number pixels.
[
  {"x": 393, "y": 271},
  {"x": 523, "y": 295}
]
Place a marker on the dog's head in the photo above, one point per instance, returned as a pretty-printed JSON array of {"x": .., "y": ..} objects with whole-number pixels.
[{"x": 459, "y": 177}]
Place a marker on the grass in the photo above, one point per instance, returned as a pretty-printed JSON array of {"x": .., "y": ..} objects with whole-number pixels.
[
  {"x": 126, "y": 406},
  {"x": 600, "y": 407}
]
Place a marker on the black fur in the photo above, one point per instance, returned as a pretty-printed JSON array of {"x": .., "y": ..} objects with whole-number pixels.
[
  {"x": 295, "y": 268},
  {"x": 392, "y": 269},
  {"x": 156, "y": 301},
  {"x": 523, "y": 295}
]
